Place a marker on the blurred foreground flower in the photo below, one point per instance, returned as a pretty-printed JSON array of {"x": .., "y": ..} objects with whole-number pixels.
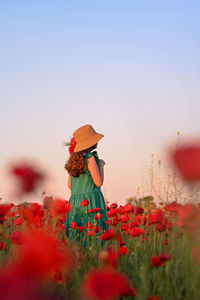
[
  {"x": 27, "y": 176},
  {"x": 187, "y": 160},
  {"x": 106, "y": 285}
]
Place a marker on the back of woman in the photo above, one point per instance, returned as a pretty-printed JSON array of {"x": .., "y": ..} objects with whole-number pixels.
[{"x": 88, "y": 215}]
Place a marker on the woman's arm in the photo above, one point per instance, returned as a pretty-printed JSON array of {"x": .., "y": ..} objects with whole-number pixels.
[
  {"x": 69, "y": 182},
  {"x": 97, "y": 174}
]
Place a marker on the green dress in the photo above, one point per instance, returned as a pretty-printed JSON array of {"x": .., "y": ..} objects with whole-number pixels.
[{"x": 84, "y": 188}]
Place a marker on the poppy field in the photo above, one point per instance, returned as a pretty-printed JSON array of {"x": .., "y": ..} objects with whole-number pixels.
[{"x": 149, "y": 251}]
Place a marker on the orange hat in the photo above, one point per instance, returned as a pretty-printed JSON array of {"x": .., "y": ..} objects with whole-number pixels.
[{"x": 86, "y": 137}]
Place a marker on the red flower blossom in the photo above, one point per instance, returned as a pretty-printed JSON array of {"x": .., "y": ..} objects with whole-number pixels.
[
  {"x": 138, "y": 210},
  {"x": 160, "y": 260},
  {"x": 88, "y": 225},
  {"x": 123, "y": 250},
  {"x": 41, "y": 254},
  {"x": 91, "y": 233},
  {"x": 109, "y": 259},
  {"x": 17, "y": 237},
  {"x": 172, "y": 207},
  {"x": 111, "y": 233},
  {"x": 98, "y": 216},
  {"x": 154, "y": 297},
  {"x": 127, "y": 208},
  {"x": 113, "y": 205},
  {"x": 18, "y": 222},
  {"x": 3, "y": 211},
  {"x": 73, "y": 225},
  {"x": 96, "y": 209},
  {"x": 85, "y": 202},
  {"x": 187, "y": 160},
  {"x": 112, "y": 212},
  {"x": 28, "y": 177},
  {"x": 156, "y": 217},
  {"x": 80, "y": 228},
  {"x": 136, "y": 231},
  {"x": 106, "y": 285},
  {"x": 61, "y": 206},
  {"x": 97, "y": 229},
  {"x": 72, "y": 145}
]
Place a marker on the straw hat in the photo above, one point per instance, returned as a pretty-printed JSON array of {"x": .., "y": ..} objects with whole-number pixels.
[{"x": 86, "y": 137}]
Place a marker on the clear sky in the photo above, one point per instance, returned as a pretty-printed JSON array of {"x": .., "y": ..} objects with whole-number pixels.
[{"x": 129, "y": 68}]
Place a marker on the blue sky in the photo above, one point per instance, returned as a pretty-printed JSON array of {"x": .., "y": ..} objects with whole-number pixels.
[{"x": 130, "y": 68}]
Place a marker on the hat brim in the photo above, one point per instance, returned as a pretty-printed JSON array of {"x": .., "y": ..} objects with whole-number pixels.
[{"x": 88, "y": 143}]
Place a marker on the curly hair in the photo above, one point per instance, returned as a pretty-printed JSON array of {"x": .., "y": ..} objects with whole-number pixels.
[{"x": 76, "y": 164}]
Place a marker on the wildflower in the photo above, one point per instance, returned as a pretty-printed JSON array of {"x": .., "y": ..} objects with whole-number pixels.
[
  {"x": 136, "y": 231},
  {"x": 106, "y": 285},
  {"x": 123, "y": 250},
  {"x": 138, "y": 210},
  {"x": 17, "y": 237},
  {"x": 73, "y": 225},
  {"x": 113, "y": 205},
  {"x": 3, "y": 212},
  {"x": 61, "y": 206},
  {"x": 80, "y": 228},
  {"x": 27, "y": 176},
  {"x": 85, "y": 202},
  {"x": 41, "y": 254},
  {"x": 128, "y": 208},
  {"x": 18, "y": 222},
  {"x": 98, "y": 216},
  {"x": 156, "y": 217},
  {"x": 108, "y": 258},
  {"x": 97, "y": 229},
  {"x": 187, "y": 160},
  {"x": 154, "y": 297},
  {"x": 160, "y": 260},
  {"x": 88, "y": 225},
  {"x": 72, "y": 145}
]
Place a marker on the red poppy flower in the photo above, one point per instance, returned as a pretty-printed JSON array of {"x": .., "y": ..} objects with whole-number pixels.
[
  {"x": 97, "y": 229},
  {"x": 61, "y": 206},
  {"x": 113, "y": 205},
  {"x": 127, "y": 208},
  {"x": 88, "y": 225},
  {"x": 80, "y": 228},
  {"x": 28, "y": 177},
  {"x": 98, "y": 216},
  {"x": 17, "y": 237},
  {"x": 85, "y": 202},
  {"x": 73, "y": 225},
  {"x": 72, "y": 145},
  {"x": 91, "y": 233},
  {"x": 136, "y": 231},
  {"x": 18, "y": 222},
  {"x": 154, "y": 297},
  {"x": 106, "y": 285},
  {"x": 112, "y": 212},
  {"x": 3, "y": 211},
  {"x": 138, "y": 210},
  {"x": 96, "y": 209},
  {"x": 156, "y": 217},
  {"x": 160, "y": 260},
  {"x": 108, "y": 258},
  {"x": 41, "y": 254},
  {"x": 187, "y": 160},
  {"x": 123, "y": 250}
]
